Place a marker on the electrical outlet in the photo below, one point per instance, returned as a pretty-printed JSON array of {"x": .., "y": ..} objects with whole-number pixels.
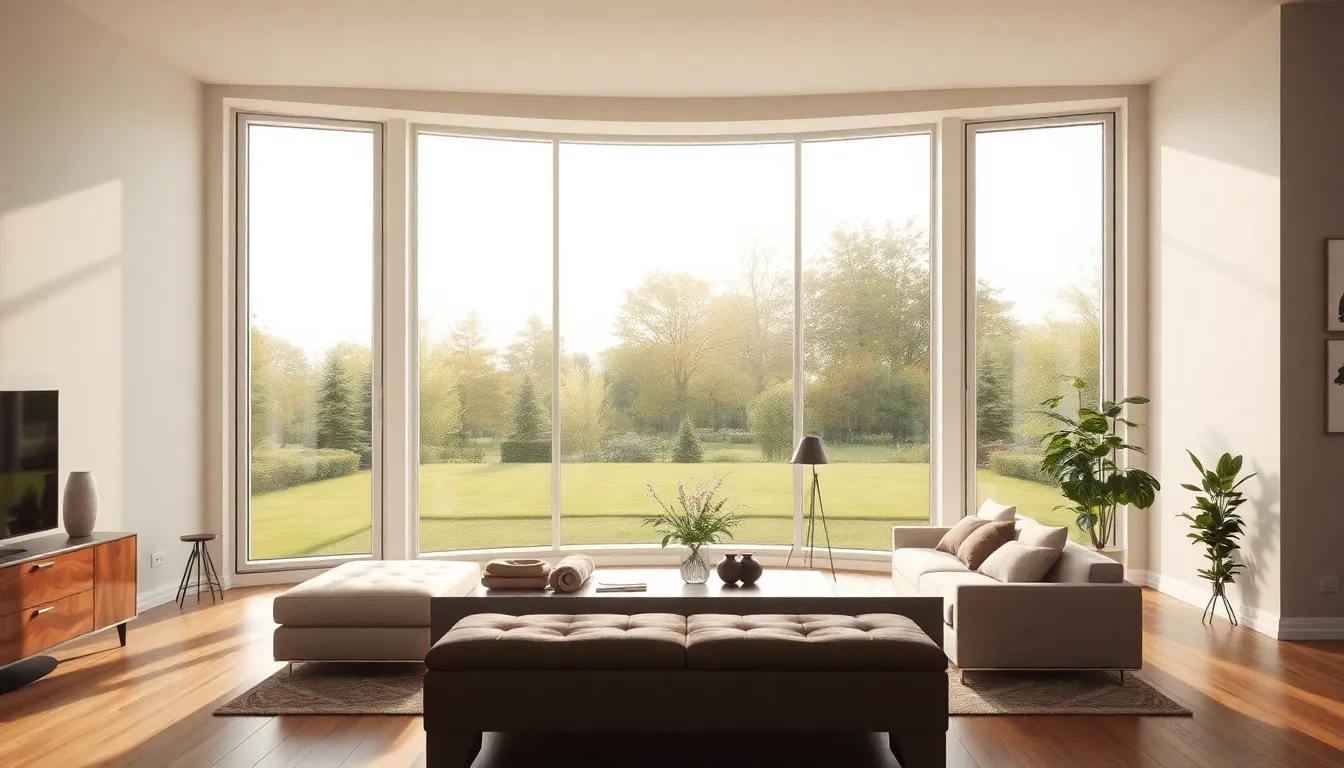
[
  {"x": 1329, "y": 583},
  {"x": 155, "y": 560}
]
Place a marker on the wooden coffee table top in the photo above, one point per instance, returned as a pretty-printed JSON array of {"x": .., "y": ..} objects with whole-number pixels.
[{"x": 666, "y": 582}]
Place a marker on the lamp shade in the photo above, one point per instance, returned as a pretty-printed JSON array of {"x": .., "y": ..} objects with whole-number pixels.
[{"x": 809, "y": 451}]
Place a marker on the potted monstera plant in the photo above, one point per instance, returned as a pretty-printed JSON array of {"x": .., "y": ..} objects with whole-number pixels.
[
  {"x": 1085, "y": 456},
  {"x": 1218, "y": 526}
]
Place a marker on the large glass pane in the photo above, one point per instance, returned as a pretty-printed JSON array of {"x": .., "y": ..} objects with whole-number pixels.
[
  {"x": 1039, "y": 239},
  {"x": 866, "y": 321},
  {"x": 676, "y": 313},
  {"x": 310, "y": 268},
  {"x": 484, "y": 255}
]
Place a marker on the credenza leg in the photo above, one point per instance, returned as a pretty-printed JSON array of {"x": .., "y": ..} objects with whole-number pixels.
[{"x": 121, "y": 633}]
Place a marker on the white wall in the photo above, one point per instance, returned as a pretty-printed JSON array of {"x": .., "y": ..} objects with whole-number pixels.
[
  {"x": 1216, "y": 302},
  {"x": 100, "y": 265}
]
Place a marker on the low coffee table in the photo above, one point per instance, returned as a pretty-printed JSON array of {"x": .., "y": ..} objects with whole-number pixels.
[
  {"x": 666, "y": 582},
  {"x": 778, "y": 591}
]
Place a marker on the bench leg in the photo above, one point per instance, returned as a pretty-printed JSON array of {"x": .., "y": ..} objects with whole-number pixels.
[
  {"x": 919, "y": 749},
  {"x": 451, "y": 749}
]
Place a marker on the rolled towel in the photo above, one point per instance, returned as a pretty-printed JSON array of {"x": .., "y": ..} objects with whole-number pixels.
[
  {"x": 523, "y": 568},
  {"x": 505, "y": 582},
  {"x": 570, "y": 574}
]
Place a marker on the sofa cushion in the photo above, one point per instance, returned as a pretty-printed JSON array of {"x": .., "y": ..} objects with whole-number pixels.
[
  {"x": 809, "y": 642},
  {"x": 562, "y": 641},
  {"x": 1080, "y": 565},
  {"x": 912, "y": 563},
  {"x": 982, "y": 542},
  {"x": 995, "y": 512},
  {"x": 952, "y": 540},
  {"x": 944, "y": 585},
  {"x": 374, "y": 593},
  {"x": 1033, "y": 534},
  {"x": 1017, "y": 563}
]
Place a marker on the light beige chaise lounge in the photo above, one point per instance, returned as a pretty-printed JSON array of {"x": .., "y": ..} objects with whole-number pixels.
[{"x": 368, "y": 610}]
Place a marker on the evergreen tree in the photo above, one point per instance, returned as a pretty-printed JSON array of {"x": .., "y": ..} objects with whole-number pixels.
[
  {"x": 527, "y": 414},
  {"x": 688, "y": 449},
  {"x": 338, "y": 419},
  {"x": 993, "y": 401}
]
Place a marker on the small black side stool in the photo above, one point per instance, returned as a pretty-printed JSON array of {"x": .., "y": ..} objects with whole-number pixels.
[{"x": 200, "y": 555}]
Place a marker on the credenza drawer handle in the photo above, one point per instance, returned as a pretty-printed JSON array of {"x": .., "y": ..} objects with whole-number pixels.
[
  {"x": 44, "y": 609},
  {"x": 40, "y": 566}
]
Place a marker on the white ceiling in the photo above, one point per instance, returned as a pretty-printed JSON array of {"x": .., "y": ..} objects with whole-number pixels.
[{"x": 673, "y": 47}]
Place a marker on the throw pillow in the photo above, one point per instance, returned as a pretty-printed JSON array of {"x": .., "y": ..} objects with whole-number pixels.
[
  {"x": 983, "y": 541},
  {"x": 1033, "y": 534},
  {"x": 1017, "y": 563},
  {"x": 995, "y": 512},
  {"x": 952, "y": 540}
]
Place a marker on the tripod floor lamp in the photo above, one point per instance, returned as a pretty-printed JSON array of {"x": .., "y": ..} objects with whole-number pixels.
[{"x": 810, "y": 451}]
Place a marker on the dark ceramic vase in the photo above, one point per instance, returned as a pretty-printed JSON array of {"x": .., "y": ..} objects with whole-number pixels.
[
  {"x": 751, "y": 569},
  {"x": 729, "y": 569}
]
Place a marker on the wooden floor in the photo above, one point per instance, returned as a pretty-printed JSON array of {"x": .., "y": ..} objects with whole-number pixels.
[{"x": 1257, "y": 702}]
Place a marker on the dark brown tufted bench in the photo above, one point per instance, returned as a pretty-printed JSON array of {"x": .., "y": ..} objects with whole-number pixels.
[{"x": 874, "y": 672}]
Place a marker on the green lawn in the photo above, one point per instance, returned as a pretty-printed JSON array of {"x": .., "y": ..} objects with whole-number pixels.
[{"x": 478, "y": 506}]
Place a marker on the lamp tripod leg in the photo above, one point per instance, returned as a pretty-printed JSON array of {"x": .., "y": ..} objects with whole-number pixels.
[{"x": 816, "y": 494}]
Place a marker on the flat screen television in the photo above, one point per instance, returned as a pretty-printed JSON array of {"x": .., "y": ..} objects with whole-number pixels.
[{"x": 29, "y": 450}]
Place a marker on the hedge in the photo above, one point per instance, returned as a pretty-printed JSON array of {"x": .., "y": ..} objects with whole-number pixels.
[
  {"x": 453, "y": 454},
  {"x": 525, "y": 451},
  {"x": 1024, "y": 466},
  {"x": 275, "y": 469},
  {"x": 910, "y": 454}
]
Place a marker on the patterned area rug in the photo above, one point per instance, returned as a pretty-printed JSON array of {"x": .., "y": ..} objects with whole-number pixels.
[
  {"x": 394, "y": 689},
  {"x": 1056, "y": 693}
]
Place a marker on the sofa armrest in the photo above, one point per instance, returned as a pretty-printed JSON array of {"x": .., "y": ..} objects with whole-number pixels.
[
  {"x": 1048, "y": 626},
  {"x": 916, "y": 536}
]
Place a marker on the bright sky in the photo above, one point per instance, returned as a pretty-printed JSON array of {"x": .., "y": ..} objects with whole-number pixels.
[{"x": 485, "y": 221}]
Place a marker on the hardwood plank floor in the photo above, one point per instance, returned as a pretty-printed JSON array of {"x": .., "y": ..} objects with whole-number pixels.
[{"x": 1257, "y": 702}]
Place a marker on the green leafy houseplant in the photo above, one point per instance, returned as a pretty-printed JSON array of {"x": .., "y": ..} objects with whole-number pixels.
[
  {"x": 1084, "y": 457},
  {"x": 1218, "y": 526},
  {"x": 698, "y": 516}
]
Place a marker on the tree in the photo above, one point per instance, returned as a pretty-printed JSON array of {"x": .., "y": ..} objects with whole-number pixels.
[
  {"x": 527, "y": 416},
  {"x": 440, "y": 401},
  {"x": 531, "y": 354},
  {"x": 993, "y": 399},
  {"x": 762, "y": 330},
  {"x": 688, "y": 449},
  {"x": 480, "y": 383},
  {"x": 585, "y": 411},
  {"x": 338, "y": 418},
  {"x": 772, "y": 421},
  {"x": 665, "y": 319}
]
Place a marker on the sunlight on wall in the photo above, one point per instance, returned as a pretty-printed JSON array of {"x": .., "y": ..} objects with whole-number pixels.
[{"x": 61, "y": 325}]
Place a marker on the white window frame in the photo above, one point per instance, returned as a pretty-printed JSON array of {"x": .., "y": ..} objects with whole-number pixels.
[
  {"x": 642, "y": 552},
  {"x": 242, "y": 355},
  {"x": 1110, "y": 353}
]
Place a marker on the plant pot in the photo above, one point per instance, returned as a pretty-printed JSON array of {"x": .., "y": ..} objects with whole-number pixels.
[
  {"x": 751, "y": 569},
  {"x": 694, "y": 569},
  {"x": 1115, "y": 553},
  {"x": 79, "y": 510},
  {"x": 729, "y": 569}
]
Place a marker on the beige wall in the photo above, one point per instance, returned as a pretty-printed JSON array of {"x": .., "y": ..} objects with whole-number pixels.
[
  {"x": 1216, "y": 300},
  {"x": 100, "y": 265},
  {"x": 1313, "y": 210}
]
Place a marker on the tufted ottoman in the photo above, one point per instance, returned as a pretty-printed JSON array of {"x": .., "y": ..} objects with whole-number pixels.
[
  {"x": 705, "y": 672},
  {"x": 368, "y": 610}
]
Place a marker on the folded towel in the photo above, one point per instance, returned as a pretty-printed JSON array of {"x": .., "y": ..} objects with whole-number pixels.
[
  {"x": 505, "y": 582},
  {"x": 527, "y": 568},
  {"x": 570, "y": 574}
]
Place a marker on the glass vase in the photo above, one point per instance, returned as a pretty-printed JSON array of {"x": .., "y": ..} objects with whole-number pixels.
[{"x": 694, "y": 569}]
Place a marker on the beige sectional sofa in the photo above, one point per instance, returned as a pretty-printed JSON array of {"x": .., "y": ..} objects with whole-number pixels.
[{"x": 1082, "y": 615}]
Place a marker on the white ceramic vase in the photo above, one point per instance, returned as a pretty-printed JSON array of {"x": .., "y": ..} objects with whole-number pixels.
[{"x": 80, "y": 507}]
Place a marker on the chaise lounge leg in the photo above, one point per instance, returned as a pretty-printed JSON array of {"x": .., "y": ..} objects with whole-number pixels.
[
  {"x": 919, "y": 749},
  {"x": 451, "y": 749}
]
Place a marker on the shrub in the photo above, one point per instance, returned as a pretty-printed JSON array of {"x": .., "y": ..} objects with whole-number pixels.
[
  {"x": 275, "y": 469},
  {"x": 730, "y": 436},
  {"x": 632, "y": 448},
  {"x": 1024, "y": 466},
  {"x": 687, "y": 449},
  {"x": 726, "y": 456},
  {"x": 878, "y": 439},
  {"x": 525, "y": 451},
  {"x": 771, "y": 420},
  {"x": 466, "y": 454},
  {"x": 910, "y": 454}
]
